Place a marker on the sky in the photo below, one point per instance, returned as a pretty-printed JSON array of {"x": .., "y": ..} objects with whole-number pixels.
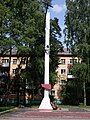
[{"x": 58, "y": 11}]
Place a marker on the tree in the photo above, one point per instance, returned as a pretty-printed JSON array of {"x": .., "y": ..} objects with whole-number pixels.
[
  {"x": 75, "y": 91},
  {"x": 24, "y": 29},
  {"x": 70, "y": 94},
  {"x": 77, "y": 29},
  {"x": 80, "y": 73},
  {"x": 3, "y": 88}
]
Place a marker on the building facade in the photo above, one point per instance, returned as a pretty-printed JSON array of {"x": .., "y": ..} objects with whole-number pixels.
[
  {"x": 10, "y": 67},
  {"x": 66, "y": 61},
  {"x": 9, "y": 62}
]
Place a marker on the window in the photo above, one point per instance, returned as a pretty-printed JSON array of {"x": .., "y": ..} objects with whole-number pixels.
[
  {"x": 73, "y": 61},
  {"x": 62, "y": 61},
  {"x": 14, "y": 70},
  {"x": 14, "y": 61},
  {"x": 63, "y": 71},
  {"x": 23, "y": 61},
  {"x": 5, "y": 60}
]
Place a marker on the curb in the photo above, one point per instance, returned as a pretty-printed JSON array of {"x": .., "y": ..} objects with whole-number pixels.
[
  {"x": 87, "y": 109},
  {"x": 10, "y": 110}
]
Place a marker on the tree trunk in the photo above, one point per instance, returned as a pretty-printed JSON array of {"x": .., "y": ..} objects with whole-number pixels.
[
  {"x": 24, "y": 93},
  {"x": 84, "y": 86},
  {"x": 17, "y": 95}
]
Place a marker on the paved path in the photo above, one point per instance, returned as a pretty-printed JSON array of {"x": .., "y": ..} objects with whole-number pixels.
[{"x": 35, "y": 114}]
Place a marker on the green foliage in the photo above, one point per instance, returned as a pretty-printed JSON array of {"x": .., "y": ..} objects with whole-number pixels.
[
  {"x": 53, "y": 77},
  {"x": 22, "y": 25},
  {"x": 4, "y": 83},
  {"x": 77, "y": 29},
  {"x": 55, "y": 44},
  {"x": 72, "y": 94},
  {"x": 80, "y": 71},
  {"x": 5, "y": 108},
  {"x": 69, "y": 93},
  {"x": 77, "y": 35},
  {"x": 55, "y": 28}
]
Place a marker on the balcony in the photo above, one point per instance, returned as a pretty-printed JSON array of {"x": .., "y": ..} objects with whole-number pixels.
[
  {"x": 5, "y": 64},
  {"x": 69, "y": 76},
  {"x": 63, "y": 77}
]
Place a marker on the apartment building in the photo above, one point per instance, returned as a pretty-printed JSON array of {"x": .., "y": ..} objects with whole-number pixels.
[
  {"x": 66, "y": 60},
  {"x": 8, "y": 64}
]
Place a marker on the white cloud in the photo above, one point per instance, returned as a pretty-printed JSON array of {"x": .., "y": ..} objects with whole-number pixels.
[{"x": 59, "y": 8}]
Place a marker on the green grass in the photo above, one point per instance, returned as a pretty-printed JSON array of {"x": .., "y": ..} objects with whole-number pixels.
[
  {"x": 5, "y": 108},
  {"x": 71, "y": 106}
]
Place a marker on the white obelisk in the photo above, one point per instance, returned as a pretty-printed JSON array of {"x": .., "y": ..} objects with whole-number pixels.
[{"x": 45, "y": 104}]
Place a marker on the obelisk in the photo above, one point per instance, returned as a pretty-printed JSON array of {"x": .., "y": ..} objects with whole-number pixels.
[{"x": 45, "y": 104}]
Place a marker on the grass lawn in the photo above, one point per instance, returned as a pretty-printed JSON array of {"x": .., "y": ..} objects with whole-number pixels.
[
  {"x": 5, "y": 108},
  {"x": 71, "y": 106}
]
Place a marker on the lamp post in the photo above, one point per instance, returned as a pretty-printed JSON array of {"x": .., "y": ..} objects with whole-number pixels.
[{"x": 45, "y": 104}]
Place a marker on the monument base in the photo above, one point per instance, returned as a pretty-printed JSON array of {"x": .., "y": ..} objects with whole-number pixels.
[{"x": 45, "y": 105}]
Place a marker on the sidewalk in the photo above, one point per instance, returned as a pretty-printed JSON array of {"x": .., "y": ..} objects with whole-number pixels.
[
  {"x": 70, "y": 109},
  {"x": 27, "y": 113}
]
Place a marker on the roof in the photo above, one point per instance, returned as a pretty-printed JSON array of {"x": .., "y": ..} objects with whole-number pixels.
[
  {"x": 65, "y": 52},
  {"x": 7, "y": 52}
]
